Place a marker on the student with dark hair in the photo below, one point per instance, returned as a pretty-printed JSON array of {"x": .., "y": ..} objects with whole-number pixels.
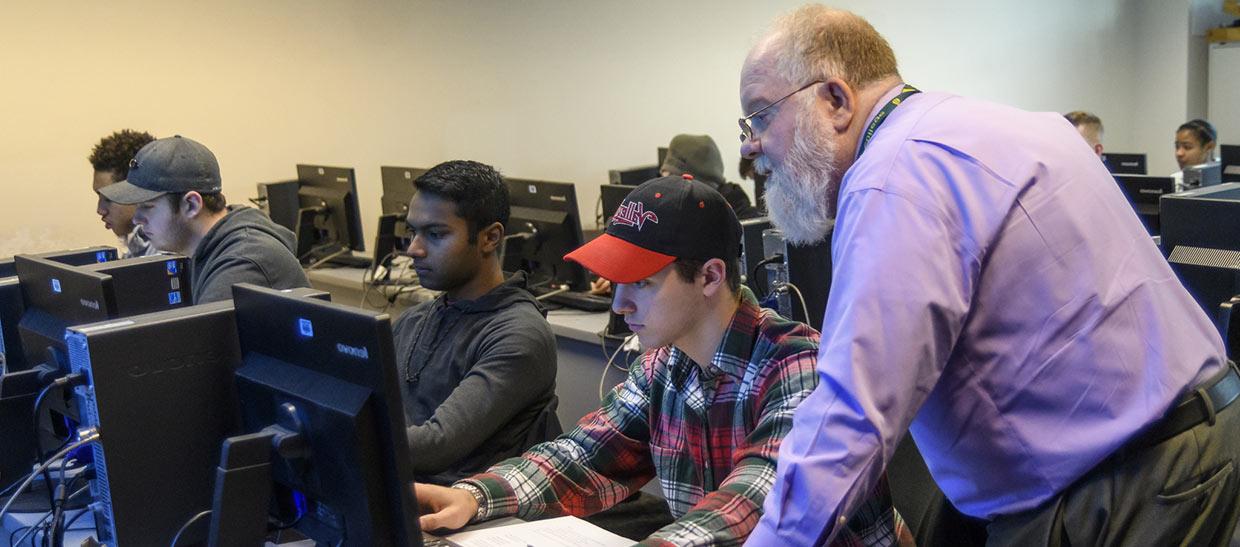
[
  {"x": 704, "y": 409},
  {"x": 1195, "y": 142},
  {"x": 110, "y": 160},
  {"x": 175, "y": 184},
  {"x": 478, "y": 362}
]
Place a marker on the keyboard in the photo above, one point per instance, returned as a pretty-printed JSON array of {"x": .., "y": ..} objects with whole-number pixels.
[{"x": 576, "y": 300}]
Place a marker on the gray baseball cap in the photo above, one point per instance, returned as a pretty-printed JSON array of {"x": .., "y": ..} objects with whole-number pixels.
[{"x": 174, "y": 164}]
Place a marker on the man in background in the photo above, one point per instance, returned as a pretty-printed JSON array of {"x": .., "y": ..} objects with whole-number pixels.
[
  {"x": 175, "y": 184},
  {"x": 1089, "y": 126},
  {"x": 110, "y": 159}
]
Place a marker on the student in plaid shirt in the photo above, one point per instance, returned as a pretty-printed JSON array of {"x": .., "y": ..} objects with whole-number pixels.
[{"x": 704, "y": 409}]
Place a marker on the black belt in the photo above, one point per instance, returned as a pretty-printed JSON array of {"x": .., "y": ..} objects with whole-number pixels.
[{"x": 1201, "y": 406}]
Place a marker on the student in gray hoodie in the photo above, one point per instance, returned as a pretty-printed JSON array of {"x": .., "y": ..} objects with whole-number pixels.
[
  {"x": 479, "y": 361},
  {"x": 175, "y": 184}
]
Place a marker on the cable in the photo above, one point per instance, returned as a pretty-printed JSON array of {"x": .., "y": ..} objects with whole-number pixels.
[
  {"x": 186, "y": 526},
  {"x": 800, "y": 297},
  {"x": 29, "y": 530},
  {"x": 86, "y": 436},
  {"x": 602, "y": 379},
  {"x": 753, "y": 274}
]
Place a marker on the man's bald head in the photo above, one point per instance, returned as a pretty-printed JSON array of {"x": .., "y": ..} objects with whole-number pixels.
[{"x": 816, "y": 42}]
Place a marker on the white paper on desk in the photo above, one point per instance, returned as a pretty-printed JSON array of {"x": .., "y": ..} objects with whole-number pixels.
[{"x": 556, "y": 532}]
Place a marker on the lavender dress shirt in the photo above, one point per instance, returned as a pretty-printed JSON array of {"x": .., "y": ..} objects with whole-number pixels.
[{"x": 994, "y": 294}]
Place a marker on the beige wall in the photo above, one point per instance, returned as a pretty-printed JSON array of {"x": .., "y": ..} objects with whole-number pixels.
[{"x": 543, "y": 89}]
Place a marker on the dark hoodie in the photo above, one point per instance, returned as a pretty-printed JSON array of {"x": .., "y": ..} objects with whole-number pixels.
[
  {"x": 244, "y": 247},
  {"x": 477, "y": 379},
  {"x": 697, "y": 155}
]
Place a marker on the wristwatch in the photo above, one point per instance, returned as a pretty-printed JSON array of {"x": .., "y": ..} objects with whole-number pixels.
[{"x": 479, "y": 497}]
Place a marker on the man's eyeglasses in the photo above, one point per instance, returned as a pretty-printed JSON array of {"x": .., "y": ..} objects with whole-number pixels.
[{"x": 747, "y": 131}]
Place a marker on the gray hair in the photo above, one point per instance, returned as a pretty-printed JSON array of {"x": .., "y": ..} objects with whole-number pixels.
[{"x": 816, "y": 42}]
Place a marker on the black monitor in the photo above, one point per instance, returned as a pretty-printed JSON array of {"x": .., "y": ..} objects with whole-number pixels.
[
  {"x": 543, "y": 226},
  {"x": 329, "y": 221},
  {"x": 398, "y": 191},
  {"x": 56, "y": 297},
  {"x": 1201, "y": 238},
  {"x": 398, "y": 188},
  {"x": 161, "y": 387},
  {"x": 324, "y": 427},
  {"x": 633, "y": 176},
  {"x": 280, "y": 201},
  {"x": 1124, "y": 164},
  {"x": 12, "y": 305},
  {"x": 611, "y": 196},
  {"x": 1143, "y": 192},
  {"x": 1230, "y": 159}
]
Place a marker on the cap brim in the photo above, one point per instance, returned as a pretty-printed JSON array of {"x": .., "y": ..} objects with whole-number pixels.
[
  {"x": 125, "y": 193},
  {"x": 619, "y": 261}
]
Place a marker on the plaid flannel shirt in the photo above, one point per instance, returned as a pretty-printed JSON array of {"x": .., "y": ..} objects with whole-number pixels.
[{"x": 710, "y": 434}]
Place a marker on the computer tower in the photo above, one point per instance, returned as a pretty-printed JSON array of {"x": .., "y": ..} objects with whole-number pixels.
[
  {"x": 161, "y": 393},
  {"x": 1201, "y": 239},
  {"x": 807, "y": 268}
]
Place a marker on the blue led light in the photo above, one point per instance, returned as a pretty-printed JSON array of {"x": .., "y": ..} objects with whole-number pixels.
[
  {"x": 55, "y": 285},
  {"x": 101, "y": 256},
  {"x": 305, "y": 328},
  {"x": 172, "y": 267},
  {"x": 174, "y": 298}
]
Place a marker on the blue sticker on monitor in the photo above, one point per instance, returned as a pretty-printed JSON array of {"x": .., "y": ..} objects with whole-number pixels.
[
  {"x": 305, "y": 328},
  {"x": 101, "y": 256},
  {"x": 55, "y": 285},
  {"x": 174, "y": 298},
  {"x": 172, "y": 267}
]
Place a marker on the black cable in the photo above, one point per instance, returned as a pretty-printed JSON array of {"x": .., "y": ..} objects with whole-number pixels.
[{"x": 753, "y": 274}]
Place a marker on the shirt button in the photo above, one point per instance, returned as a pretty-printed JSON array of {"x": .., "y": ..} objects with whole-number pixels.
[{"x": 842, "y": 520}]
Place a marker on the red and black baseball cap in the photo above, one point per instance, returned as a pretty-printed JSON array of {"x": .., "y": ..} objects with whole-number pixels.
[{"x": 658, "y": 222}]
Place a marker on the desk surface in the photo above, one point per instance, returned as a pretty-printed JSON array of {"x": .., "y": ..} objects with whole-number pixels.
[{"x": 346, "y": 286}]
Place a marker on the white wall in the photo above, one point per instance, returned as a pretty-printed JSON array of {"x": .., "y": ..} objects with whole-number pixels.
[{"x": 541, "y": 88}]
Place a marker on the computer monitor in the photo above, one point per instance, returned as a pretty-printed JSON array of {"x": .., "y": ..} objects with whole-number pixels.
[
  {"x": 398, "y": 191},
  {"x": 1201, "y": 238},
  {"x": 398, "y": 188},
  {"x": 543, "y": 226},
  {"x": 329, "y": 222},
  {"x": 280, "y": 201},
  {"x": 322, "y": 422},
  {"x": 56, "y": 297},
  {"x": 1124, "y": 164},
  {"x": 1143, "y": 192},
  {"x": 12, "y": 304},
  {"x": 161, "y": 387},
  {"x": 633, "y": 176},
  {"x": 612, "y": 196},
  {"x": 1230, "y": 159}
]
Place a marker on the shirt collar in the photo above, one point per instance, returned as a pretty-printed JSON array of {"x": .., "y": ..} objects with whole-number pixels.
[{"x": 735, "y": 350}]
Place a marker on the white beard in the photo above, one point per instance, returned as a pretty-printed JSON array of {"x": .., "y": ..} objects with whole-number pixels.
[{"x": 800, "y": 193}]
